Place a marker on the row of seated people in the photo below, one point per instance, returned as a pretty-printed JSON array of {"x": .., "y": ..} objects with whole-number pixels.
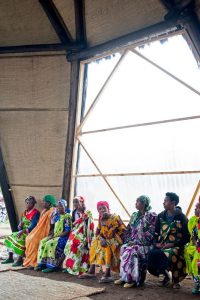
[{"x": 157, "y": 243}]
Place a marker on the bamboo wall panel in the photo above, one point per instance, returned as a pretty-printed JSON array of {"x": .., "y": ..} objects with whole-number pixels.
[
  {"x": 33, "y": 141},
  {"x": 23, "y": 22},
  {"x": 34, "y": 82},
  {"x": 106, "y": 20},
  {"x": 66, "y": 10}
]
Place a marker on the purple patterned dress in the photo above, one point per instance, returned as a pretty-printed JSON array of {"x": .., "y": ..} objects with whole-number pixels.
[{"x": 138, "y": 242}]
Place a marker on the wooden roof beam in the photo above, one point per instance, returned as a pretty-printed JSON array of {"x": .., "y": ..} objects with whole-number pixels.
[
  {"x": 56, "y": 21},
  {"x": 41, "y": 48},
  {"x": 125, "y": 40},
  {"x": 79, "y": 6}
]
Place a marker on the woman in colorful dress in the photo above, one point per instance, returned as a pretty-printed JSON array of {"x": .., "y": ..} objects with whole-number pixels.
[
  {"x": 77, "y": 248},
  {"x": 51, "y": 248},
  {"x": 16, "y": 241},
  {"x": 39, "y": 232},
  {"x": 171, "y": 235},
  {"x": 192, "y": 250},
  {"x": 138, "y": 242},
  {"x": 105, "y": 248}
]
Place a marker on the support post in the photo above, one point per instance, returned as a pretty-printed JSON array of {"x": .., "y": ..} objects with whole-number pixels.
[
  {"x": 75, "y": 66},
  {"x": 7, "y": 195}
]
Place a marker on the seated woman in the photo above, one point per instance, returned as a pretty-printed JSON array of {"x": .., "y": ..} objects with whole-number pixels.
[
  {"x": 39, "y": 232},
  {"x": 192, "y": 250},
  {"x": 51, "y": 248},
  {"x": 138, "y": 242},
  {"x": 16, "y": 241},
  {"x": 75, "y": 212},
  {"x": 105, "y": 248},
  {"x": 171, "y": 234},
  {"x": 77, "y": 248}
]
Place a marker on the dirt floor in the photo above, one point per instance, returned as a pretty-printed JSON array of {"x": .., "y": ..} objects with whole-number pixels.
[{"x": 150, "y": 290}]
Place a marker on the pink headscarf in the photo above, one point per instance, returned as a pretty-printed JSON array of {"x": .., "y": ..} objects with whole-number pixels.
[{"x": 105, "y": 203}]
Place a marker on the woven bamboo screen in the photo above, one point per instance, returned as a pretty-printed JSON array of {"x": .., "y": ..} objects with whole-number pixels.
[
  {"x": 106, "y": 20},
  {"x": 23, "y": 22},
  {"x": 33, "y": 130},
  {"x": 66, "y": 10}
]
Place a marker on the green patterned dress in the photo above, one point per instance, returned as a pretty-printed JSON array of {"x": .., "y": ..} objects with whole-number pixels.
[
  {"x": 28, "y": 222},
  {"x": 170, "y": 231}
]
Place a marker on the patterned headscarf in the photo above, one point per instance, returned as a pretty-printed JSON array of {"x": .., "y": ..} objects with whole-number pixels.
[
  {"x": 105, "y": 203},
  {"x": 63, "y": 202},
  {"x": 146, "y": 201},
  {"x": 31, "y": 199}
]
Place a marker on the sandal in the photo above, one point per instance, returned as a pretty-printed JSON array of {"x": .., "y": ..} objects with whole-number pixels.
[
  {"x": 17, "y": 264},
  {"x": 87, "y": 276},
  {"x": 195, "y": 291},
  {"x": 106, "y": 279},
  {"x": 48, "y": 270},
  {"x": 165, "y": 282},
  {"x": 7, "y": 261},
  {"x": 176, "y": 286},
  {"x": 119, "y": 282},
  {"x": 129, "y": 285},
  {"x": 65, "y": 271}
]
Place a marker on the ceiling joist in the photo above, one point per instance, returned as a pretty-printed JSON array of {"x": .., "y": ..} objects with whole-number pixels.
[
  {"x": 56, "y": 21},
  {"x": 41, "y": 48}
]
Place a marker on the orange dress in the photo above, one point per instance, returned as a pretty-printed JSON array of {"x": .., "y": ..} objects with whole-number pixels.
[{"x": 37, "y": 234}]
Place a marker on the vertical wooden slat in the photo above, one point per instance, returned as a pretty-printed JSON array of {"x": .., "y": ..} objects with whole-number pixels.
[{"x": 193, "y": 198}]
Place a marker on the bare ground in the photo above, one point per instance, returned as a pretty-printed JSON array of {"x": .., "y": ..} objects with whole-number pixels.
[{"x": 150, "y": 290}]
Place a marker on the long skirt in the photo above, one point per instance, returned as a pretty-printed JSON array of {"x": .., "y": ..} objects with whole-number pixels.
[
  {"x": 17, "y": 245},
  {"x": 189, "y": 255},
  {"x": 133, "y": 264},
  {"x": 171, "y": 259},
  {"x": 76, "y": 257},
  {"x": 108, "y": 256},
  {"x": 51, "y": 252}
]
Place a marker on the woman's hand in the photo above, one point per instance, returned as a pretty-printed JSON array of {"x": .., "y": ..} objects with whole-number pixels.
[
  {"x": 168, "y": 245},
  {"x": 159, "y": 245}
]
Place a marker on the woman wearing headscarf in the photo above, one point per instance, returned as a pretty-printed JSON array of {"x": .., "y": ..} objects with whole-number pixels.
[
  {"x": 77, "y": 248},
  {"x": 39, "y": 232},
  {"x": 105, "y": 248},
  {"x": 16, "y": 241},
  {"x": 51, "y": 248},
  {"x": 192, "y": 250},
  {"x": 139, "y": 237},
  {"x": 75, "y": 212},
  {"x": 171, "y": 235}
]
